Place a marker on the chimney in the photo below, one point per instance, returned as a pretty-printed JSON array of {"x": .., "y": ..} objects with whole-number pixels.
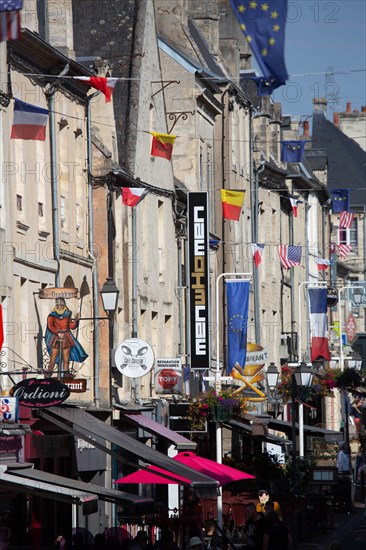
[
  {"x": 306, "y": 128},
  {"x": 348, "y": 108},
  {"x": 320, "y": 105},
  {"x": 363, "y": 109},
  {"x": 336, "y": 119}
]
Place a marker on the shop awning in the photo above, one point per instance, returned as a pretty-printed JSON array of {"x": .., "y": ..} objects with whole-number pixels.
[
  {"x": 286, "y": 427},
  {"x": 110, "y": 495},
  {"x": 88, "y": 427},
  {"x": 181, "y": 442},
  {"x": 44, "y": 489},
  {"x": 253, "y": 429}
]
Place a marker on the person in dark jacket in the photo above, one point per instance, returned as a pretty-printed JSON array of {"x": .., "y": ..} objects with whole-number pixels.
[{"x": 276, "y": 535}]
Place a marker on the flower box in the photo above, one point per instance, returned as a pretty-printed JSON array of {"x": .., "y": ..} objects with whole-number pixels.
[{"x": 220, "y": 414}]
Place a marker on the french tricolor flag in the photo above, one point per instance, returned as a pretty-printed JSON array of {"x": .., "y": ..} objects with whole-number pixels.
[
  {"x": 131, "y": 196},
  {"x": 29, "y": 122},
  {"x": 294, "y": 203},
  {"x": 319, "y": 323}
]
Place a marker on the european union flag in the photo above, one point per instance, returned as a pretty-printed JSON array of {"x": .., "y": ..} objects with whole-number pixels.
[
  {"x": 263, "y": 24},
  {"x": 265, "y": 86},
  {"x": 292, "y": 151},
  {"x": 237, "y": 293},
  {"x": 340, "y": 200}
]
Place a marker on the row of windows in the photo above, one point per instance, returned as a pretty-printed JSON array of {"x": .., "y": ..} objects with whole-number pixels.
[{"x": 62, "y": 210}]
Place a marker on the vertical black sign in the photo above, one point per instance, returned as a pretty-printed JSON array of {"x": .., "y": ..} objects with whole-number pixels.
[{"x": 198, "y": 242}]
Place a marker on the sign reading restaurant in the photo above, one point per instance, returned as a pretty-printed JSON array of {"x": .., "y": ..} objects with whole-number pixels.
[{"x": 198, "y": 278}]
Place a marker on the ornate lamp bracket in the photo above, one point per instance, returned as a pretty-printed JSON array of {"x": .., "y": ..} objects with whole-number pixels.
[{"x": 176, "y": 115}]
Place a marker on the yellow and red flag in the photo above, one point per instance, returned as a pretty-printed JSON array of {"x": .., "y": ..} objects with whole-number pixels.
[
  {"x": 232, "y": 202},
  {"x": 162, "y": 145}
]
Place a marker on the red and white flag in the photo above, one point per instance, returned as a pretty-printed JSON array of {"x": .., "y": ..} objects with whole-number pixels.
[
  {"x": 344, "y": 250},
  {"x": 131, "y": 196},
  {"x": 319, "y": 323},
  {"x": 101, "y": 83},
  {"x": 346, "y": 220},
  {"x": 322, "y": 264},
  {"x": 257, "y": 251}
]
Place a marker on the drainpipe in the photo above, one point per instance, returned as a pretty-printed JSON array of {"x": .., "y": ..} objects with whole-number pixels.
[
  {"x": 95, "y": 293},
  {"x": 50, "y": 94},
  {"x": 255, "y": 239},
  {"x": 307, "y": 208}
]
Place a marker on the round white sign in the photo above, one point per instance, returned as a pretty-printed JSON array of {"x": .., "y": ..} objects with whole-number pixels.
[{"x": 134, "y": 358}]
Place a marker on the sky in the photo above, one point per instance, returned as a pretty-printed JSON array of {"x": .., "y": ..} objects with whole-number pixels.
[{"x": 324, "y": 36}]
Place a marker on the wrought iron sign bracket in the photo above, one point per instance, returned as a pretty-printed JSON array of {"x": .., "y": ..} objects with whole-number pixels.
[
  {"x": 176, "y": 115},
  {"x": 166, "y": 84}
]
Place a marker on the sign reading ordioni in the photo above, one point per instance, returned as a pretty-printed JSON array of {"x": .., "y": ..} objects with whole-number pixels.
[
  {"x": 54, "y": 293},
  {"x": 40, "y": 393}
]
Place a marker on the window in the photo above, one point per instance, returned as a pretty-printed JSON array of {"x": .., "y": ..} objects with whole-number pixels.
[
  {"x": 62, "y": 210},
  {"x": 77, "y": 214},
  {"x": 19, "y": 203},
  {"x": 40, "y": 209},
  {"x": 350, "y": 237},
  {"x": 201, "y": 167}
]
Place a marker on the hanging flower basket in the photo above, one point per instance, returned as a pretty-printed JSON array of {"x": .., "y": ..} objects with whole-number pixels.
[{"x": 220, "y": 414}]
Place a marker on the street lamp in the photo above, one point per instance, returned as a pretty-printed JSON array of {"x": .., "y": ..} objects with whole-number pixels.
[
  {"x": 272, "y": 376},
  {"x": 109, "y": 294},
  {"x": 302, "y": 377}
]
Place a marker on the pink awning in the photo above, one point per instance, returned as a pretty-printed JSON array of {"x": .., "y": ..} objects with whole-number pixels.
[
  {"x": 222, "y": 473},
  {"x": 154, "y": 474}
]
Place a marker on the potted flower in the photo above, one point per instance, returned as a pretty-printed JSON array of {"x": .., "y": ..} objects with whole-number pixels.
[{"x": 216, "y": 406}]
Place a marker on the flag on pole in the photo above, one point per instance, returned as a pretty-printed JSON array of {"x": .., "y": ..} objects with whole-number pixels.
[
  {"x": 1, "y": 327},
  {"x": 29, "y": 122},
  {"x": 292, "y": 151},
  {"x": 294, "y": 203},
  {"x": 257, "y": 251},
  {"x": 344, "y": 250},
  {"x": 10, "y": 19},
  {"x": 346, "y": 220},
  {"x": 340, "y": 200},
  {"x": 318, "y": 323},
  {"x": 290, "y": 256},
  {"x": 264, "y": 27},
  {"x": 237, "y": 293},
  {"x": 101, "y": 83},
  {"x": 232, "y": 202},
  {"x": 162, "y": 145},
  {"x": 131, "y": 196},
  {"x": 322, "y": 264}
]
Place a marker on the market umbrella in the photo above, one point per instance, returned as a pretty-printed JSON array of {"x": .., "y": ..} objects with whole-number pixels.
[
  {"x": 151, "y": 475},
  {"x": 222, "y": 473}
]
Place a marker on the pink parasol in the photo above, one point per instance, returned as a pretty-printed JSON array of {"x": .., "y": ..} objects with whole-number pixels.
[
  {"x": 222, "y": 473},
  {"x": 151, "y": 475}
]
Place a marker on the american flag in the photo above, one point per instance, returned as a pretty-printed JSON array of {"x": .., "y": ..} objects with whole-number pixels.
[
  {"x": 344, "y": 250},
  {"x": 10, "y": 19},
  {"x": 289, "y": 255},
  {"x": 346, "y": 220}
]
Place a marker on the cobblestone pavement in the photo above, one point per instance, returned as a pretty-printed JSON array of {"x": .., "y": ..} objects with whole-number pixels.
[{"x": 348, "y": 529}]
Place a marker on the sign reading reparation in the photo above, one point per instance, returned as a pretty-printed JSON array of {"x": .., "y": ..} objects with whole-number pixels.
[{"x": 198, "y": 242}]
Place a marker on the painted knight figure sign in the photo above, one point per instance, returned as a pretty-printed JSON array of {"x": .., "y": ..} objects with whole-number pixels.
[{"x": 61, "y": 344}]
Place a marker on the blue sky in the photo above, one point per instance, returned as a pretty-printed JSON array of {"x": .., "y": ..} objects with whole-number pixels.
[{"x": 324, "y": 35}]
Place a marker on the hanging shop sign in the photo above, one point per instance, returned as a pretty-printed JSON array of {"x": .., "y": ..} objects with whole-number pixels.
[
  {"x": 54, "y": 293},
  {"x": 40, "y": 393},
  {"x": 351, "y": 328},
  {"x": 8, "y": 409},
  {"x": 75, "y": 385},
  {"x": 168, "y": 376},
  {"x": 198, "y": 280},
  {"x": 134, "y": 357},
  {"x": 332, "y": 296}
]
